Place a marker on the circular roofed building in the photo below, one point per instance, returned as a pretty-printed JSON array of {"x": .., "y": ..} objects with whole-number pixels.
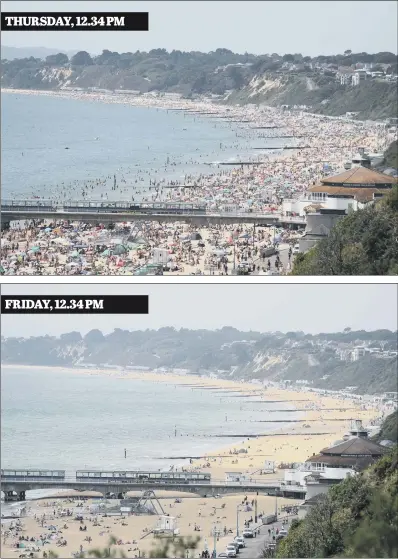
[{"x": 357, "y": 453}]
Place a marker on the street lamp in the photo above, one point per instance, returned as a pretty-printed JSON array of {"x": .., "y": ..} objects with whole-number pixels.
[
  {"x": 216, "y": 532},
  {"x": 237, "y": 519}
]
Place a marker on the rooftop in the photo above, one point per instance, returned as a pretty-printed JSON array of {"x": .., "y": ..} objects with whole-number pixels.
[
  {"x": 361, "y": 194},
  {"x": 357, "y": 446},
  {"x": 359, "y": 176}
]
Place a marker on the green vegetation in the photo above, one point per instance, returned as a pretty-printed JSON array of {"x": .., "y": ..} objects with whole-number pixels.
[
  {"x": 389, "y": 429},
  {"x": 391, "y": 155},
  {"x": 177, "y": 547},
  {"x": 235, "y": 354},
  {"x": 363, "y": 243},
  {"x": 356, "y": 518},
  {"x": 364, "y": 99},
  {"x": 235, "y": 78}
]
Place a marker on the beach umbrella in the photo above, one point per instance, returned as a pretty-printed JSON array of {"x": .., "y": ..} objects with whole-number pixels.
[
  {"x": 106, "y": 252},
  {"x": 34, "y": 249},
  {"x": 74, "y": 254},
  {"x": 48, "y": 229},
  {"x": 244, "y": 236}
]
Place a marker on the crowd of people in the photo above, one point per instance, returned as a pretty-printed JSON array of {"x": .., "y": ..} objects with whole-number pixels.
[{"x": 76, "y": 248}]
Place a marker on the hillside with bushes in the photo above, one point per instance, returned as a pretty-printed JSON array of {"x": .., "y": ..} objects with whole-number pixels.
[
  {"x": 321, "y": 360},
  {"x": 389, "y": 429},
  {"x": 271, "y": 79},
  {"x": 363, "y": 243},
  {"x": 356, "y": 518}
]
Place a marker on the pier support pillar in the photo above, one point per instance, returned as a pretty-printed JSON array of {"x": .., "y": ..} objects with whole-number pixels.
[
  {"x": 21, "y": 496},
  {"x": 9, "y": 496}
]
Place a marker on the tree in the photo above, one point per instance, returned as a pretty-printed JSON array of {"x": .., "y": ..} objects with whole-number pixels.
[
  {"x": 347, "y": 52},
  {"x": 363, "y": 243},
  {"x": 81, "y": 58},
  {"x": 288, "y": 58},
  {"x": 236, "y": 76},
  {"x": 385, "y": 58},
  {"x": 59, "y": 59},
  {"x": 170, "y": 548},
  {"x": 377, "y": 534}
]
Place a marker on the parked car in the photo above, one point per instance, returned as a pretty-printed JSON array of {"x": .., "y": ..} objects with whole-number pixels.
[
  {"x": 269, "y": 251},
  {"x": 240, "y": 541},
  {"x": 247, "y": 533},
  {"x": 231, "y": 551},
  {"x": 296, "y": 249},
  {"x": 236, "y": 545},
  {"x": 283, "y": 532}
]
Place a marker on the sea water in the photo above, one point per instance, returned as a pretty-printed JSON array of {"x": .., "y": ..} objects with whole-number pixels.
[
  {"x": 54, "y": 419},
  {"x": 53, "y": 147}
]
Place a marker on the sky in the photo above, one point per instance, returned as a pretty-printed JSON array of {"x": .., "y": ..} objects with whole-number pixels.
[
  {"x": 310, "y": 28},
  {"x": 310, "y": 308}
]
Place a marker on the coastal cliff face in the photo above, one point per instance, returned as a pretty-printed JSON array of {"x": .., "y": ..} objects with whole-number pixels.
[
  {"x": 323, "y": 361},
  {"x": 223, "y": 75}
]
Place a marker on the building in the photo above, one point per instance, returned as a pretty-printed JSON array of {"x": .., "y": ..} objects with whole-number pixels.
[
  {"x": 357, "y": 452},
  {"x": 345, "y": 79},
  {"x": 349, "y": 190},
  {"x": 360, "y": 75},
  {"x": 353, "y": 188},
  {"x": 332, "y": 465},
  {"x": 357, "y": 353},
  {"x": 335, "y": 196},
  {"x": 338, "y": 195}
]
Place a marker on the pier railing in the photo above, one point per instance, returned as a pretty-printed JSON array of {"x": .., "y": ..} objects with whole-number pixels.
[{"x": 72, "y": 479}]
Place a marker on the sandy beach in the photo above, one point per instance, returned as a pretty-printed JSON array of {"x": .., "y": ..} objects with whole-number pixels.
[
  {"x": 62, "y": 248},
  {"x": 321, "y": 414}
]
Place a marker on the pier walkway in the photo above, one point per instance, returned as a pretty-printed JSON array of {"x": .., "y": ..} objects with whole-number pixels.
[
  {"x": 119, "y": 212},
  {"x": 16, "y": 490}
]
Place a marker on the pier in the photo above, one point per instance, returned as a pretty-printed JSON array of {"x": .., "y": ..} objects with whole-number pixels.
[
  {"x": 16, "y": 490},
  {"x": 114, "y": 212}
]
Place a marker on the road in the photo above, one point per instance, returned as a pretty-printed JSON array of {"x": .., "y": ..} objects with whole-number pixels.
[{"x": 254, "y": 546}]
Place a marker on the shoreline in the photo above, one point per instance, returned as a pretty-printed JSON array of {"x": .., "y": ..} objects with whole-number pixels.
[
  {"x": 274, "y": 185},
  {"x": 317, "y": 409},
  {"x": 190, "y": 511}
]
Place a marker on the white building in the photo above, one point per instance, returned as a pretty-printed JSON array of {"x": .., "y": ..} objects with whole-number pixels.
[
  {"x": 357, "y": 353},
  {"x": 345, "y": 79},
  {"x": 315, "y": 478},
  {"x": 334, "y": 464}
]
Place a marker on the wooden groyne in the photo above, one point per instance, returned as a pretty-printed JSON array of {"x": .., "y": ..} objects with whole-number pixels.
[
  {"x": 286, "y": 147},
  {"x": 241, "y": 162},
  {"x": 256, "y": 435},
  {"x": 205, "y": 456},
  {"x": 281, "y": 137},
  {"x": 265, "y": 127}
]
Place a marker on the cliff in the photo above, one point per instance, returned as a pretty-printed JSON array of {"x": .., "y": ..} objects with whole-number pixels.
[
  {"x": 322, "y": 360},
  {"x": 227, "y": 77}
]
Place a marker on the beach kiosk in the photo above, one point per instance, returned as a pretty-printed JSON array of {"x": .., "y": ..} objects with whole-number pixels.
[{"x": 166, "y": 526}]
